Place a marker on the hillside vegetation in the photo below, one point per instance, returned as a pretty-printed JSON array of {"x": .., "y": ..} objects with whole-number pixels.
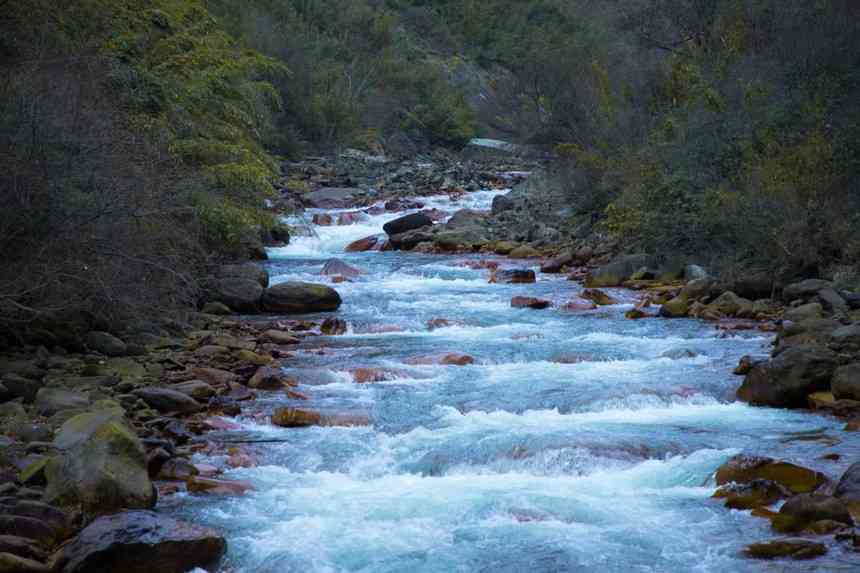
[{"x": 139, "y": 141}]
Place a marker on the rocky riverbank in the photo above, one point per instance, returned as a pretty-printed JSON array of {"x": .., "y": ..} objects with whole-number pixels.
[{"x": 95, "y": 435}]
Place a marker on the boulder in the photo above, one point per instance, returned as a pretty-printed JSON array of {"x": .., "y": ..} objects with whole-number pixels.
[
  {"x": 786, "y": 548},
  {"x": 336, "y": 267},
  {"x": 371, "y": 243},
  {"x": 513, "y": 276},
  {"x": 105, "y": 343},
  {"x": 787, "y": 379},
  {"x": 743, "y": 469},
  {"x": 295, "y": 297},
  {"x": 49, "y": 401},
  {"x": 465, "y": 218},
  {"x": 216, "y": 308},
  {"x": 450, "y": 359},
  {"x": 197, "y": 389},
  {"x": 10, "y": 563},
  {"x": 249, "y": 271},
  {"x": 730, "y": 304},
  {"x": 814, "y": 331},
  {"x": 333, "y": 327},
  {"x": 331, "y": 197},
  {"x": 280, "y": 337},
  {"x": 504, "y": 247},
  {"x": 579, "y": 304},
  {"x": 618, "y": 271},
  {"x": 411, "y": 239},
  {"x": 167, "y": 400},
  {"x": 832, "y": 301},
  {"x": 846, "y": 337},
  {"x": 240, "y": 294},
  {"x": 267, "y": 378},
  {"x": 322, "y": 219},
  {"x": 848, "y": 488},
  {"x": 846, "y": 382},
  {"x": 599, "y": 297},
  {"x": 529, "y": 302},
  {"x": 21, "y": 387},
  {"x": 502, "y": 203},
  {"x": 802, "y": 510},
  {"x": 102, "y": 468},
  {"x": 804, "y": 290},
  {"x": 556, "y": 264},
  {"x": 807, "y": 311},
  {"x": 296, "y": 418},
  {"x": 524, "y": 252},
  {"x": 22, "y": 547},
  {"x": 757, "y": 493},
  {"x": 407, "y": 223},
  {"x": 141, "y": 542},
  {"x": 677, "y": 307}
]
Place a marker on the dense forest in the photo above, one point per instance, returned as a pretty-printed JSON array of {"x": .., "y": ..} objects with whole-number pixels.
[{"x": 139, "y": 141}]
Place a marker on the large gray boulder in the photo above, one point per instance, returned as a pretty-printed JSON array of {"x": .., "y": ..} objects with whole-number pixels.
[
  {"x": 250, "y": 271},
  {"x": 407, "y": 223},
  {"x": 102, "y": 467},
  {"x": 167, "y": 400},
  {"x": 141, "y": 542},
  {"x": 804, "y": 290},
  {"x": 240, "y": 294},
  {"x": 618, "y": 271},
  {"x": 296, "y": 297},
  {"x": 786, "y": 380},
  {"x": 331, "y": 197},
  {"x": 848, "y": 488},
  {"x": 106, "y": 343},
  {"x": 846, "y": 382}
]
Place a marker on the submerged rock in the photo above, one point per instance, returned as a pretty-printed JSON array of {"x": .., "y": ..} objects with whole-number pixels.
[
  {"x": 371, "y": 243},
  {"x": 805, "y": 509},
  {"x": 141, "y": 542},
  {"x": 529, "y": 302},
  {"x": 513, "y": 276},
  {"x": 407, "y": 223},
  {"x": 336, "y": 267}
]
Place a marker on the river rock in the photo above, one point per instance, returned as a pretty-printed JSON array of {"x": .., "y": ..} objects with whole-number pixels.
[
  {"x": 579, "y": 305},
  {"x": 556, "y": 264},
  {"x": 599, "y": 297},
  {"x": 411, "y": 239},
  {"x": 757, "y": 493},
  {"x": 802, "y": 510},
  {"x": 804, "y": 290},
  {"x": 677, "y": 307},
  {"x": 240, "y": 294},
  {"x": 786, "y": 548},
  {"x": 513, "y": 276},
  {"x": 197, "y": 389},
  {"x": 803, "y": 312},
  {"x": 730, "y": 304},
  {"x": 49, "y": 401},
  {"x": 22, "y": 387},
  {"x": 141, "y": 542},
  {"x": 407, "y": 223},
  {"x": 371, "y": 243},
  {"x": 336, "y": 267},
  {"x": 296, "y": 418},
  {"x": 846, "y": 337},
  {"x": 846, "y": 382},
  {"x": 848, "y": 489},
  {"x": 105, "y": 343},
  {"x": 167, "y": 400},
  {"x": 618, "y": 271},
  {"x": 451, "y": 359},
  {"x": 333, "y": 327},
  {"x": 102, "y": 468},
  {"x": 331, "y": 197},
  {"x": 22, "y": 547},
  {"x": 295, "y": 297},
  {"x": 529, "y": 302},
  {"x": 214, "y": 376},
  {"x": 322, "y": 219},
  {"x": 787, "y": 379},
  {"x": 743, "y": 469},
  {"x": 524, "y": 252},
  {"x": 249, "y": 271},
  {"x": 212, "y": 486}
]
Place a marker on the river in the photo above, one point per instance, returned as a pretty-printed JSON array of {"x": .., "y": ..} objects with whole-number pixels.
[{"x": 575, "y": 442}]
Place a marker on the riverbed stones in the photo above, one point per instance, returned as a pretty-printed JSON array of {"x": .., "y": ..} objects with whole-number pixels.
[
  {"x": 141, "y": 542},
  {"x": 742, "y": 469},
  {"x": 197, "y": 389},
  {"x": 787, "y": 379},
  {"x": 49, "y": 401},
  {"x": 371, "y": 243},
  {"x": 294, "y": 297},
  {"x": 617, "y": 271},
  {"x": 598, "y": 296},
  {"x": 558, "y": 263},
  {"x": 10, "y": 563},
  {"x": 804, "y": 290},
  {"x": 792, "y": 548},
  {"x": 238, "y": 293}
]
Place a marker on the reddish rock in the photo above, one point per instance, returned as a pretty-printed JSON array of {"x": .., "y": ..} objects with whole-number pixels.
[
  {"x": 451, "y": 359},
  {"x": 220, "y": 424},
  {"x": 579, "y": 305},
  {"x": 336, "y": 267},
  {"x": 529, "y": 302},
  {"x": 212, "y": 486},
  {"x": 296, "y": 395},
  {"x": 381, "y": 328},
  {"x": 350, "y": 218},
  {"x": 323, "y": 220},
  {"x": 268, "y": 378},
  {"x": 572, "y": 358},
  {"x": 214, "y": 376},
  {"x": 635, "y": 314},
  {"x": 295, "y": 418},
  {"x": 598, "y": 297},
  {"x": 435, "y": 323},
  {"x": 338, "y": 279},
  {"x": 368, "y": 375},
  {"x": 371, "y": 243},
  {"x": 333, "y": 327},
  {"x": 479, "y": 265},
  {"x": 513, "y": 276}
]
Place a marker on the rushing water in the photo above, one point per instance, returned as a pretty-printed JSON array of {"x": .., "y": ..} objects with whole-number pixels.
[{"x": 576, "y": 442}]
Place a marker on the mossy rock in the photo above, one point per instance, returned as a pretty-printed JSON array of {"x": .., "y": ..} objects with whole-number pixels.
[
  {"x": 745, "y": 469},
  {"x": 504, "y": 247},
  {"x": 677, "y": 307},
  {"x": 34, "y": 473}
]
